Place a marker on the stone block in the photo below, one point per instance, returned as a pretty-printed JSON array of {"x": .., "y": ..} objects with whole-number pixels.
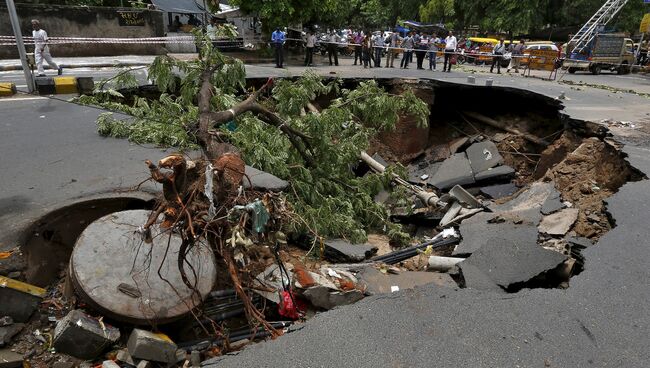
[
  {"x": 82, "y": 336},
  {"x": 559, "y": 223},
  {"x": 151, "y": 346},
  {"x": 10, "y": 359},
  {"x": 497, "y": 173},
  {"x": 110, "y": 364},
  {"x": 455, "y": 170},
  {"x": 483, "y": 156},
  {"x": 339, "y": 250}
]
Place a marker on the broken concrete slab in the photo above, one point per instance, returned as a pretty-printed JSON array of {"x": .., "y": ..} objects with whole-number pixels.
[
  {"x": 417, "y": 172},
  {"x": 559, "y": 223},
  {"x": 144, "y": 364},
  {"x": 323, "y": 297},
  {"x": 474, "y": 278},
  {"x": 477, "y": 230},
  {"x": 507, "y": 262},
  {"x": 6, "y": 321},
  {"x": 82, "y": 336},
  {"x": 553, "y": 203},
  {"x": 499, "y": 191},
  {"x": 443, "y": 264},
  {"x": 151, "y": 346},
  {"x": 8, "y": 332},
  {"x": 263, "y": 181},
  {"x": 10, "y": 359},
  {"x": 376, "y": 282},
  {"x": 455, "y": 170},
  {"x": 526, "y": 206},
  {"x": 579, "y": 242},
  {"x": 497, "y": 173},
  {"x": 342, "y": 251},
  {"x": 483, "y": 156},
  {"x": 124, "y": 356}
]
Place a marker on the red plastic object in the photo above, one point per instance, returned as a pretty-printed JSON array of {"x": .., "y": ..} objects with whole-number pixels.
[{"x": 287, "y": 308}]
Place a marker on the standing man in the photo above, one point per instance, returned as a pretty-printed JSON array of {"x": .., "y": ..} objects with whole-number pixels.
[
  {"x": 407, "y": 45},
  {"x": 433, "y": 51},
  {"x": 379, "y": 48},
  {"x": 450, "y": 48},
  {"x": 358, "y": 41},
  {"x": 311, "y": 43},
  {"x": 333, "y": 48},
  {"x": 498, "y": 51},
  {"x": 42, "y": 50},
  {"x": 421, "y": 51},
  {"x": 395, "y": 40},
  {"x": 277, "y": 38},
  {"x": 517, "y": 53}
]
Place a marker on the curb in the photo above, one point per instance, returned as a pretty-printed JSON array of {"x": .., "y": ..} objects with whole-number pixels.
[
  {"x": 12, "y": 67},
  {"x": 64, "y": 85},
  {"x": 8, "y": 89}
]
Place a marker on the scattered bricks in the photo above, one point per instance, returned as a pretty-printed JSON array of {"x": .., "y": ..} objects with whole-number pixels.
[
  {"x": 8, "y": 89},
  {"x": 151, "y": 346},
  {"x": 65, "y": 85},
  {"x": 19, "y": 300},
  {"x": 10, "y": 359},
  {"x": 82, "y": 336},
  {"x": 85, "y": 85},
  {"x": 110, "y": 364}
]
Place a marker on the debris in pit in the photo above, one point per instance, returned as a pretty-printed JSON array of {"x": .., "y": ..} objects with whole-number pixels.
[
  {"x": 455, "y": 170},
  {"x": 8, "y": 331},
  {"x": 499, "y": 191},
  {"x": 376, "y": 282},
  {"x": 499, "y": 173},
  {"x": 83, "y": 336},
  {"x": 506, "y": 262},
  {"x": 10, "y": 359},
  {"x": 156, "y": 347},
  {"x": 19, "y": 300},
  {"x": 263, "y": 181},
  {"x": 323, "y": 297},
  {"x": 477, "y": 230},
  {"x": 342, "y": 251},
  {"x": 553, "y": 203},
  {"x": 483, "y": 156},
  {"x": 443, "y": 264},
  {"x": 559, "y": 223}
]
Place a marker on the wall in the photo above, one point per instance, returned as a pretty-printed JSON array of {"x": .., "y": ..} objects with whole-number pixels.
[{"x": 76, "y": 21}]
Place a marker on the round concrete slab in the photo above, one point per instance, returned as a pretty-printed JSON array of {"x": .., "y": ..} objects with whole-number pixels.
[{"x": 115, "y": 271}]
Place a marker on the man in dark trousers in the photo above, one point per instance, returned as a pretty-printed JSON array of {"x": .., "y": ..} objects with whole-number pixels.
[
  {"x": 333, "y": 48},
  {"x": 498, "y": 51},
  {"x": 450, "y": 48},
  {"x": 277, "y": 38},
  {"x": 358, "y": 41}
]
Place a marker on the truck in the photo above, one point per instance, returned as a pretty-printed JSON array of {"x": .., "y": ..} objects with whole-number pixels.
[{"x": 612, "y": 51}]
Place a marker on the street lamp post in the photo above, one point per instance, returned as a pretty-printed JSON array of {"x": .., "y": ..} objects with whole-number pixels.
[{"x": 13, "y": 17}]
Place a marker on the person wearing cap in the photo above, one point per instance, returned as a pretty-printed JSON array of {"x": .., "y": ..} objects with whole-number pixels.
[{"x": 42, "y": 50}]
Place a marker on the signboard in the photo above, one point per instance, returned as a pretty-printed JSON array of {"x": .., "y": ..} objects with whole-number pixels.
[
  {"x": 487, "y": 49},
  {"x": 645, "y": 24},
  {"x": 131, "y": 18},
  {"x": 542, "y": 59}
]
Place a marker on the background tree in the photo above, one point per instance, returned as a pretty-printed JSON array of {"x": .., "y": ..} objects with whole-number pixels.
[{"x": 438, "y": 11}]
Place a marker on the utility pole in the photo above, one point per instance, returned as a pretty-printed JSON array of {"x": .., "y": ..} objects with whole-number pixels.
[{"x": 15, "y": 24}]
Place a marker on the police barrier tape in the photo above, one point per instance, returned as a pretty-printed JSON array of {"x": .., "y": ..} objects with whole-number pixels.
[{"x": 483, "y": 56}]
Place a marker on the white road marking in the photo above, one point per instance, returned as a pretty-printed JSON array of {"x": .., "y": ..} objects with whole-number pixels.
[{"x": 12, "y": 99}]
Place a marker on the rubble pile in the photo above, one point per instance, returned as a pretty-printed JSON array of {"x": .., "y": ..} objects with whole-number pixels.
[{"x": 213, "y": 267}]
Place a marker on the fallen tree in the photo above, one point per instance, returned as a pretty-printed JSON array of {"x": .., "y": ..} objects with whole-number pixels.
[{"x": 276, "y": 128}]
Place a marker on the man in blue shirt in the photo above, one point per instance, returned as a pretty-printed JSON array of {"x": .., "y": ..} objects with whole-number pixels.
[{"x": 277, "y": 38}]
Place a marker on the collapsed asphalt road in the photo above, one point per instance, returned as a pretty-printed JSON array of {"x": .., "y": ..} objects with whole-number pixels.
[{"x": 601, "y": 320}]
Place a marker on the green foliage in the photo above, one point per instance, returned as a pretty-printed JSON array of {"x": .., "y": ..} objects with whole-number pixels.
[
  {"x": 329, "y": 198},
  {"x": 438, "y": 11}
]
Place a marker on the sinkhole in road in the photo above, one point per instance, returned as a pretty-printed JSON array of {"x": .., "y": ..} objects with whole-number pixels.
[{"x": 544, "y": 176}]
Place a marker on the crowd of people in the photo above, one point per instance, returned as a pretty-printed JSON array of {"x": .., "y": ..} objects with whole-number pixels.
[{"x": 370, "y": 49}]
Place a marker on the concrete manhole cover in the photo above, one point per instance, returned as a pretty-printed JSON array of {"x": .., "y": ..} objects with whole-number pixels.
[{"x": 137, "y": 282}]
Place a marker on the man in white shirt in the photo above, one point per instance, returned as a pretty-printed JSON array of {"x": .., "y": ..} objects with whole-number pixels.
[
  {"x": 309, "y": 48},
  {"x": 450, "y": 49},
  {"x": 394, "y": 43},
  {"x": 332, "y": 48},
  {"x": 41, "y": 50},
  {"x": 211, "y": 29},
  {"x": 379, "y": 48}
]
